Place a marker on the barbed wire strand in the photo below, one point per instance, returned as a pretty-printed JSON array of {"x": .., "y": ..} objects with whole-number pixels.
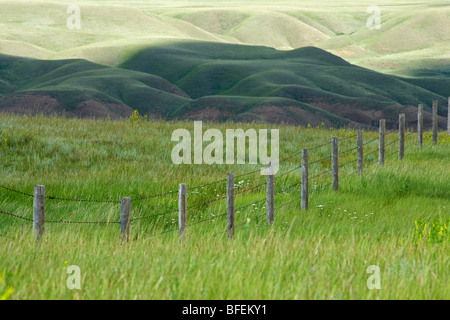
[
  {"x": 246, "y": 174},
  {"x": 286, "y": 203},
  {"x": 348, "y": 150},
  {"x": 316, "y": 161},
  {"x": 388, "y": 144},
  {"x": 370, "y": 141},
  {"x": 287, "y": 172},
  {"x": 371, "y": 152},
  {"x": 81, "y": 200},
  {"x": 145, "y": 197},
  {"x": 248, "y": 205},
  {"x": 205, "y": 220},
  {"x": 288, "y": 188},
  {"x": 350, "y": 174},
  {"x": 321, "y": 188},
  {"x": 207, "y": 184},
  {"x": 251, "y": 188},
  {"x": 81, "y": 222},
  {"x": 16, "y": 191},
  {"x": 390, "y": 154},
  {"x": 369, "y": 163},
  {"x": 254, "y": 218},
  {"x": 206, "y": 202},
  {"x": 155, "y": 196},
  {"x": 15, "y": 216},
  {"x": 347, "y": 163},
  {"x": 297, "y": 153},
  {"x": 319, "y": 174},
  {"x": 346, "y": 138},
  {"x": 153, "y": 215}
]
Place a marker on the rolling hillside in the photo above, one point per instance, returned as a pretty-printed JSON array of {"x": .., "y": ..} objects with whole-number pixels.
[
  {"x": 413, "y": 34},
  {"x": 217, "y": 81}
]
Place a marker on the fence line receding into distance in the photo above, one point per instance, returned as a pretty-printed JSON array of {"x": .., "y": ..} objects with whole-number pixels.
[{"x": 126, "y": 220}]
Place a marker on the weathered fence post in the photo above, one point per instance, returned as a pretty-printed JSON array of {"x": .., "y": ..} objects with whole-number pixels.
[
  {"x": 334, "y": 164},
  {"x": 434, "y": 111},
  {"x": 381, "y": 142},
  {"x": 360, "y": 152},
  {"x": 230, "y": 205},
  {"x": 181, "y": 209},
  {"x": 420, "y": 127},
  {"x": 269, "y": 193},
  {"x": 401, "y": 136},
  {"x": 38, "y": 212},
  {"x": 304, "y": 181},
  {"x": 125, "y": 205}
]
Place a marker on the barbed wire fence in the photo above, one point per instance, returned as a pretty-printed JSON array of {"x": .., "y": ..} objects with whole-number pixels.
[{"x": 385, "y": 139}]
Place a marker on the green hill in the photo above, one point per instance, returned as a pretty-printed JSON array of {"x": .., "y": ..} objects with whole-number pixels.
[
  {"x": 217, "y": 81},
  {"x": 83, "y": 88},
  {"x": 306, "y": 75}
]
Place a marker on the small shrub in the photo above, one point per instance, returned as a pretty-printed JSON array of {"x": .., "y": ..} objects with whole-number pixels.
[
  {"x": 135, "y": 118},
  {"x": 436, "y": 232}
]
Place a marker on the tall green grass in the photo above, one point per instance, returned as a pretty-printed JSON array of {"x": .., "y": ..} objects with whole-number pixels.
[{"x": 322, "y": 253}]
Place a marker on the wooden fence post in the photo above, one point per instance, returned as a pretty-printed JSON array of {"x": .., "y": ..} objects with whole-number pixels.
[
  {"x": 420, "y": 127},
  {"x": 181, "y": 209},
  {"x": 230, "y": 205},
  {"x": 381, "y": 142},
  {"x": 38, "y": 211},
  {"x": 401, "y": 136},
  {"x": 434, "y": 111},
  {"x": 125, "y": 205},
  {"x": 304, "y": 181},
  {"x": 269, "y": 194},
  {"x": 360, "y": 150},
  {"x": 334, "y": 164}
]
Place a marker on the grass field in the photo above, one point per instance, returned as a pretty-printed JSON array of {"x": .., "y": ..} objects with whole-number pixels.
[{"x": 323, "y": 253}]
